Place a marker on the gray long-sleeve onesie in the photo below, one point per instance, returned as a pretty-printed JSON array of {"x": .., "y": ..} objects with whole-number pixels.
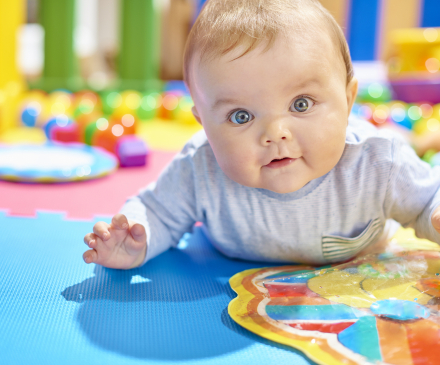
[{"x": 330, "y": 219}]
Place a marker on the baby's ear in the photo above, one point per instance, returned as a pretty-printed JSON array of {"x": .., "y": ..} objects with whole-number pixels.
[
  {"x": 352, "y": 89},
  {"x": 196, "y": 114}
]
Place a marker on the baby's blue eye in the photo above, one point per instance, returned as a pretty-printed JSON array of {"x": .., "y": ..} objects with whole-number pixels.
[
  {"x": 301, "y": 105},
  {"x": 240, "y": 117}
]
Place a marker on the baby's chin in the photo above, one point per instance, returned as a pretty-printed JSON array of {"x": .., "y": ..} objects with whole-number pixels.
[
  {"x": 283, "y": 189},
  {"x": 278, "y": 187}
]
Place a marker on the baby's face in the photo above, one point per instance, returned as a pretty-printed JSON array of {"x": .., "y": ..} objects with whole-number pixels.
[{"x": 275, "y": 120}]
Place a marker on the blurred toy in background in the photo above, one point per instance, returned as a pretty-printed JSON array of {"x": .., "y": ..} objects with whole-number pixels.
[
  {"x": 414, "y": 64},
  {"x": 408, "y": 99},
  {"x": 54, "y": 162},
  {"x": 417, "y": 122},
  {"x": 108, "y": 120},
  {"x": 12, "y": 83},
  {"x": 128, "y": 115}
]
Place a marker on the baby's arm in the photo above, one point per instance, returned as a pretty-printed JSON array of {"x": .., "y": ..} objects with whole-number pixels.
[
  {"x": 122, "y": 244},
  {"x": 149, "y": 223},
  {"x": 435, "y": 219},
  {"x": 413, "y": 194}
]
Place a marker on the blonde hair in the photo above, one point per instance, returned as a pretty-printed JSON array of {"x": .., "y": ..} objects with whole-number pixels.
[{"x": 224, "y": 25}]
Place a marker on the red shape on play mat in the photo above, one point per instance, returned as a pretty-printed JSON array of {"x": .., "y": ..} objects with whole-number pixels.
[
  {"x": 291, "y": 290},
  {"x": 85, "y": 199},
  {"x": 322, "y": 327}
]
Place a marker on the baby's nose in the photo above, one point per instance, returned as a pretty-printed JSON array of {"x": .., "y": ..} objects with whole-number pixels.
[{"x": 276, "y": 132}]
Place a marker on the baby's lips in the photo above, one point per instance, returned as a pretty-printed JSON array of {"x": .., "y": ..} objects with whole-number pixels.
[{"x": 277, "y": 163}]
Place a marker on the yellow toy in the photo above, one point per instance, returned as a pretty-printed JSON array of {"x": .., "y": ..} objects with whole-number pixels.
[
  {"x": 12, "y": 14},
  {"x": 413, "y": 68}
]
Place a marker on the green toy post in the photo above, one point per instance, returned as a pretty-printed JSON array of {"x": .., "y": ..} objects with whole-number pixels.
[
  {"x": 139, "y": 56},
  {"x": 61, "y": 69}
]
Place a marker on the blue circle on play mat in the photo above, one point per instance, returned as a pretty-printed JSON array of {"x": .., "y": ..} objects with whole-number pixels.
[
  {"x": 54, "y": 162},
  {"x": 403, "y": 310}
]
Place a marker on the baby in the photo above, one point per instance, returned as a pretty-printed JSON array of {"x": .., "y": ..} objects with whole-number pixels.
[{"x": 279, "y": 174}]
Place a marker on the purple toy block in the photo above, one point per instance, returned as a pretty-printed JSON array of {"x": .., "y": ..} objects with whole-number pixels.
[
  {"x": 131, "y": 151},
  {"x": 412, "y": 91}
]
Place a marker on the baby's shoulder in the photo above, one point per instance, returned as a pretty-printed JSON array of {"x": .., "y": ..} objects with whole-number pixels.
[
  {"x": 361, "y": 132},
  {"x": 197, "y": 152},
  {"x": 365, "y": 142},
  {"x": 196, "y": 144}
]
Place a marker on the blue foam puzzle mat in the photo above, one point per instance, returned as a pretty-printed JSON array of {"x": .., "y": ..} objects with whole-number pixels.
[{"x": 55, "y": 309}]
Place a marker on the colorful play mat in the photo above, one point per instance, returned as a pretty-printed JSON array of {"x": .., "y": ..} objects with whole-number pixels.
[
  {"x": 376, "y": 309},
  {"x": 52, "y": 162}
]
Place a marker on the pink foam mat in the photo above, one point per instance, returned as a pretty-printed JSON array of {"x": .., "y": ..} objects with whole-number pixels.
[{"x": 85, "y": 199}]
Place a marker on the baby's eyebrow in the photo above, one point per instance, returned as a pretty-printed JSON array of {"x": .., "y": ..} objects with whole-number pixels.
[
  {"x": 223, "y": 101},
  {"x": 313, "y": 81}
]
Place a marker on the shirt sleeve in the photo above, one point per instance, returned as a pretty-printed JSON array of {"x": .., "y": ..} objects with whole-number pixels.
[
  {"x": 166, "y": 208},
  {"x": 413, "y": 191}
]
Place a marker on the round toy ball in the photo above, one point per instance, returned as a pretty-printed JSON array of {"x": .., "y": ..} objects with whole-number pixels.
[
  {"x": 406, "y": 122},
  {"x": 130, "y": 103},
  {"x": 149, "y": 105},
  {"x": 399, "y": 114},
  {"x": 365, "y": 111},
  {"x": 84, "y": 120},
  {"x": 375, "y": 93},
  {"x": 60, "y": 102},
  {"x": 30, "y": 113},
  {"x": 414, "y": 112},
  {"x": 129, "y": 123},
  {"x": 427, "y": 110},
  {"x": 421, "y": 126},
  {"x": 60, "y": 120},
  {"x": 92, "y": 128},
  {"x": 86, "y": 95},
  {"x": 381, "y": 114},
  {"x": 183, "y": 112},
  {"x": 108, "y": 134},
  {"x": 85, "y": 102},
  {"x": 34, "y": 100},
  {"x": 170, "y": 101},
  {"x": 45, "y": 114},
  {"x": 110, "y": 101},
  {"x": 176, "y": 86}
]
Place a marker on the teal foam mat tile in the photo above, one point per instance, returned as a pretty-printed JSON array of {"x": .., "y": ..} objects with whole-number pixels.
[{"x": 55, "y": 309}]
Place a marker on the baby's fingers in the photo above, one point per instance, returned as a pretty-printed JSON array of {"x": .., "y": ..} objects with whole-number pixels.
[
  {"x": 90, "y": 256},
  {"x": 139, "y": 242},
  {"x": 90, "y": 240},
  {"x": 435, "y": 219},
  {"x": 119, "y": 221},
  {"x": 138, "y": 233},
  {"x": 101, "y": 230}
]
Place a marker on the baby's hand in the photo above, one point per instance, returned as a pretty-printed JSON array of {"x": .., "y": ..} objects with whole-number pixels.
[
  {"x": 435, "y": 219},
  {"x": 119, "y": 245}
]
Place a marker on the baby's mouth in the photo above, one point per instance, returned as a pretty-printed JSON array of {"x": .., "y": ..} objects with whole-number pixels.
[{"x": 277, "y": 163}]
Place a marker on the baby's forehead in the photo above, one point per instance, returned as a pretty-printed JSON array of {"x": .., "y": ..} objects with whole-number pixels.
[
  {"x": 225, "y": 26},
  {"x": 234, "y": 79},
  {"x": 307, "y": 45}
]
